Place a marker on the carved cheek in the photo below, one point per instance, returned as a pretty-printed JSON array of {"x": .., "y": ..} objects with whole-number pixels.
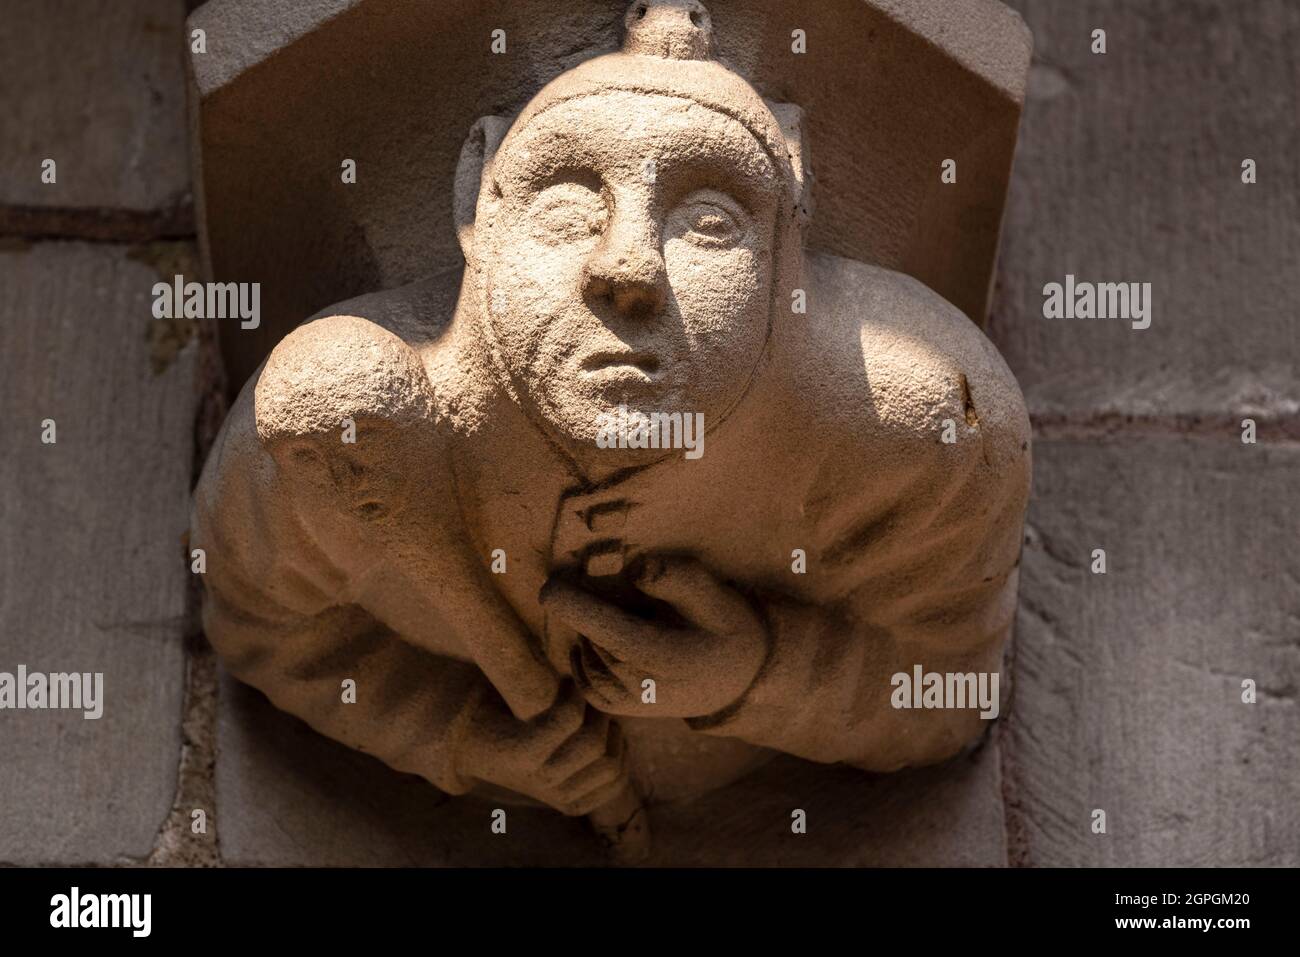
[
  {"x": 716, "y": 288},
  {"x": 546, "y": 266},
  {"x": 530, "y": 276}
]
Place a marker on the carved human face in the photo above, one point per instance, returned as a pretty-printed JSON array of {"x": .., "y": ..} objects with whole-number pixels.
[{"x": 627, "y": 245}]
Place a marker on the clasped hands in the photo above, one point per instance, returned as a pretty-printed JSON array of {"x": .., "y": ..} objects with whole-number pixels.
[{"x": 702, "y": 651}]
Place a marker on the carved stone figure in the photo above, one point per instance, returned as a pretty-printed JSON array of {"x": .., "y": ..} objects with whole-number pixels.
[{"x": 484, "y": 497}]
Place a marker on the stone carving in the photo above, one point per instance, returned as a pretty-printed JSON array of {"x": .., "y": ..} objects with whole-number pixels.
[{"x": 448, "y": 493}]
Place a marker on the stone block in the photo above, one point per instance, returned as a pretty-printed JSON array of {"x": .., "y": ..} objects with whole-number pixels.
[
  {"x": 99, "y": 88},
  {"x": 93, "y": 575},
  {"x": 1128, "y": 685},
  {"x": 1130, "y": 170}
]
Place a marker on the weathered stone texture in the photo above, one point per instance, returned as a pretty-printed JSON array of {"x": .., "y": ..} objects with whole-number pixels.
[
  {"x": 92, "y": 570},
  {"x": 97, "y": 86},
  {"x": 1128, "y": 685},
  {"x": 1129, "y": 170}
]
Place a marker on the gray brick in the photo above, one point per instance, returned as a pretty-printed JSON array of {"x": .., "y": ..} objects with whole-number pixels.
[
  {"x": 98, "y": 86},
  {"x": 92, "y": 571},
  {"x": 1128, "y": 685},
  {"x": 1129, "y": 169}
]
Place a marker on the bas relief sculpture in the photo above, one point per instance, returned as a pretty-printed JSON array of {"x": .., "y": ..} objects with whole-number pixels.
[{"x": 412, "y": 492}]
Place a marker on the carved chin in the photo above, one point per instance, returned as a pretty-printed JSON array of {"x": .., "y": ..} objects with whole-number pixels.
[{"x": 605, "y": 428}]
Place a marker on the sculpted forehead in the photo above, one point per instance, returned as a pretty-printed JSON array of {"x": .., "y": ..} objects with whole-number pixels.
[{"x": 616, "y": 132}]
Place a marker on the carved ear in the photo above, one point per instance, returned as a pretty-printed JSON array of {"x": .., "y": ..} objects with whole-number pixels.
[
  {"x": 475, "y": 162},
  {"x": 790, "y": 118}
]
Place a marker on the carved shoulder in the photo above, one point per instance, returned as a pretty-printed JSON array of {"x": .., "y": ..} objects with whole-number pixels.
[
  {"x": 926, "y": 461},
  {"x": 364, "y": 358},
  {"x": 338, "y": 368},
  {"x": 911, "y": 375}
]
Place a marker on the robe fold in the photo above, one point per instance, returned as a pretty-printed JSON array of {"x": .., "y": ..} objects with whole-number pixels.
[{"x": 380, "y": 571}]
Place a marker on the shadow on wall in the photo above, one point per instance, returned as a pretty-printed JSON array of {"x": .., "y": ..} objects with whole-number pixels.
[{"x": 289, "y": 796}]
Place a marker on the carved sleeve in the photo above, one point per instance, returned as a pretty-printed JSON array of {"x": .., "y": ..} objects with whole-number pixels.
[
  {"x": 825, "y": 691},
  {"x": 921, "y": 575},
  {"x": 282, "y": 613}
]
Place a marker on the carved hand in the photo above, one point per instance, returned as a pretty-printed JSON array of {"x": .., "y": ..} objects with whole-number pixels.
[
  {"x": 570, "y": 757},
  {"x": 701, "y": 661}
]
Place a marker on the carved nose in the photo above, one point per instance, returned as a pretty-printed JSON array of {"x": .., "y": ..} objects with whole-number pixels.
[{"x": 631, "y": 280}]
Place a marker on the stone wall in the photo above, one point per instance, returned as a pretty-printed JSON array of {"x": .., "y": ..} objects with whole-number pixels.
[
  {"x": 93, "y": 574},
  {"x": 1126, "y": 687}
]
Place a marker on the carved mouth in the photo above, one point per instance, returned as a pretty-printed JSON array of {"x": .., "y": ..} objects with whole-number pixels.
[{"x": 627, "y": 364}]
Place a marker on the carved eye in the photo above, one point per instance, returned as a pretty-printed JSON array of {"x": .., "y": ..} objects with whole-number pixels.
[
  {"x": 709, "y": 219},
  {"x": 569, "y": 212}
]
